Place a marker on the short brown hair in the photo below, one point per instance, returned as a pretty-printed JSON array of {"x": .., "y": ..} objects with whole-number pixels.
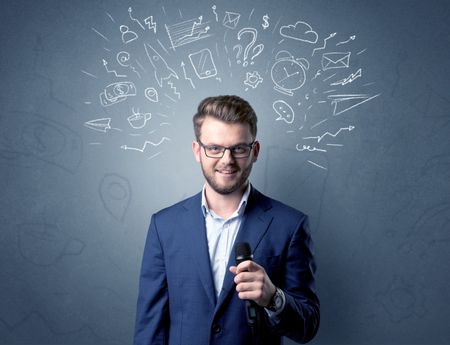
[{"x": 231, "y": 109}]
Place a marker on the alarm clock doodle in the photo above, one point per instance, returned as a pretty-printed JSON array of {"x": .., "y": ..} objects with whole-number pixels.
[{"x": 288, "y": 73}]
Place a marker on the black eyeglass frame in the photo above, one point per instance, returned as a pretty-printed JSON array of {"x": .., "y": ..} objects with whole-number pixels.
[{"x": 230, "y": 148}]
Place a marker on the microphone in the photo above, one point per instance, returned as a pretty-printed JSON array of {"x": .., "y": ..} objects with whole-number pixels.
[{"x": 243, "y": 252}]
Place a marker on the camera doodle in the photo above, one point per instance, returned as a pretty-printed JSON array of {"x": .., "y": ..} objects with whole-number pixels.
[{"x": 311, "y": 79}]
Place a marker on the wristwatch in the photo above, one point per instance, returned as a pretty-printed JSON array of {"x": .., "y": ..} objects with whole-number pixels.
[{"x": 277, "y": 301}]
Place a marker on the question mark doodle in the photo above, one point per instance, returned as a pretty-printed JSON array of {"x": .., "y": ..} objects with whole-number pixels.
[
  {"x": 259, "y": 48},
  {"x": 239, "y": 48}
]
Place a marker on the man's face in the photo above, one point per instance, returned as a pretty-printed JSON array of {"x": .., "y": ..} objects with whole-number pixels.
[{"x": 227, "y": 174}]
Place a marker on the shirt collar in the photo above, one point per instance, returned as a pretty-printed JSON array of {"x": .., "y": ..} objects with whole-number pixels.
[{"x": 240, "y": 209}]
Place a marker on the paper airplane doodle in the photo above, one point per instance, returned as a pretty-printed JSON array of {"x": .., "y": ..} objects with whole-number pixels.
[
  {"x": 162, "y": 70},
  {"x": 187, "y": 32},
  {"x": 99, "y": 125},
  {"x": 343, "y": 103}
]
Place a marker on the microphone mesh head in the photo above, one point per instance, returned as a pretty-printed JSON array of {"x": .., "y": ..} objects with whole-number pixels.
[{"x": 243, "y": 252}]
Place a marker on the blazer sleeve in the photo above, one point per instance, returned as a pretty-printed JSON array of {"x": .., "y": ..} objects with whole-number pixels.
[
  {"x": 300, "y": 317},
  {"x": 152, "y": 313}
]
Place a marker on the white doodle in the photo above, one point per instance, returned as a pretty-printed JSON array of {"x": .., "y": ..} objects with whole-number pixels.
[
  {"x": 105, "y": 64},
  {"x": 324, "y": 43},
  {"x": 317, "y": 165},
  {"x": 99, "y": 125},
  {"x": 130, "y": 9},
  {"x": 214, "y": 8},
  {"x": 89, "y": 74},
  {"x": 123, "y": 58},
  {"x": 150, "y": 23},
  {"x": 146, "y": 143},
  {"x": 151, "y": 94},
  {"x": 162, "y": 70},
  {"x": 256, "y": 50},
  {"x": 231, "y": 20},
  {"x": 127, "y": 34},
  {"x": 253, "y": 79},
  {"x": 351, "y": 78},
  {"x": 300, "y": 31},
  {"x": 284, "y": 111},
  {"x": 288, "y": 73},
  {"x": 265, "y": 23},
  {"x": 334, "y": 135},
  {"x": 100, "y": 34},
  {"x": 187, "y": 32},
  {"x": 238, "y": 55},
  {"x": 343, "y": 103},
  {"x": 203, "y": 64},
  {"x": 139, "y": 120},
  {"x": 308, "y": 148},
  {"x": 335, "y": 60},
  {"x": 352, "y": 38},
  {"x": 185, "y": 75},
  {"x": 117, "y": 92}
]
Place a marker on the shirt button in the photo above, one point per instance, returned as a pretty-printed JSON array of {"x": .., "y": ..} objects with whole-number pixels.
[{"x": 216, "y": 328}]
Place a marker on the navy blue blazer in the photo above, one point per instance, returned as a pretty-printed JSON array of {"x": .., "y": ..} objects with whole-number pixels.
[{"x": 177, "y": 302}]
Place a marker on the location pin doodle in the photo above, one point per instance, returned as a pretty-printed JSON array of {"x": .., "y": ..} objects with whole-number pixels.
[{"x": 115, "y": 193}]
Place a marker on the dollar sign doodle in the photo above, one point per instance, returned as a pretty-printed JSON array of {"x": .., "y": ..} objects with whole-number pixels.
[{"x": 266, "y": 24}]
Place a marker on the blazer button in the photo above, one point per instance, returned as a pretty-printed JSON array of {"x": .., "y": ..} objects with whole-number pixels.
[{"x": 216, "y": 328}]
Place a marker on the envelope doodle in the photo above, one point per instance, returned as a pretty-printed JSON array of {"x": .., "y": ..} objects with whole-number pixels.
[
  {"x": 231, "y": 20},
  {"x": 335, "y": 60}
]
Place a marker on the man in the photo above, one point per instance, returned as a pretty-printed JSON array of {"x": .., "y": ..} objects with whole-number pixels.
[{"x": 190, "y": 290}]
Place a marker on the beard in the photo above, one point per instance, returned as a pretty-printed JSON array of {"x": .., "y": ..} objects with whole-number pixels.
[{"x": 232, "y": 187}]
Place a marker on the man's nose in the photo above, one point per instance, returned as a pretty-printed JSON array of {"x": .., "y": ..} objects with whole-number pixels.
[{"x": 228, "y": 156}]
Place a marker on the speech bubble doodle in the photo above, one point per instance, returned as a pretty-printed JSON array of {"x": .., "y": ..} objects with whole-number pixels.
[{"x": 284, "y": 111}]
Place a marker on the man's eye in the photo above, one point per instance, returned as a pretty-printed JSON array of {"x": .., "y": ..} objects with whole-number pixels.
[
  {"x": 214, "y": 148},
  {"x": 239, "y": 149}
]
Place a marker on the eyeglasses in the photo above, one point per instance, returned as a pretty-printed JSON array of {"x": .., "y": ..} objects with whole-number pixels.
[{"x": 237, "y": 151}]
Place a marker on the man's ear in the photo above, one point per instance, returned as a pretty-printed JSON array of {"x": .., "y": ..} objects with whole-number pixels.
[
  {"x": 196, "y": 150},
  {"x": 256, "y": 148}
]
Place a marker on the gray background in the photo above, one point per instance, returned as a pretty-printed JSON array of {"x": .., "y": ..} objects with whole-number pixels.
[{"x": 75, "y": 206}]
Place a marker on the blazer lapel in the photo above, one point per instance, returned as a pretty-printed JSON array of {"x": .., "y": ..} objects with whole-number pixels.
[
  {"x": 196, "y": 241},
  {"x": 254, "y": 225}
]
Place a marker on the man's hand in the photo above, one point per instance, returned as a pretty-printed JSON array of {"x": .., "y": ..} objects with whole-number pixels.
[{"x": 253, "y": 283}]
